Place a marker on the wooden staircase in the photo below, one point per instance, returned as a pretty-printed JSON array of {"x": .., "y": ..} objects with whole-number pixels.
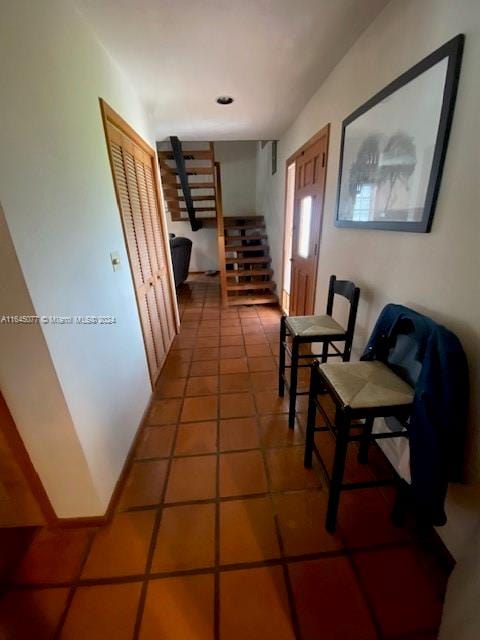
[
  {"x": 199, "y": 191},
  {"x": 245, "y": 268},
  {"x": 192, "y": 191}
]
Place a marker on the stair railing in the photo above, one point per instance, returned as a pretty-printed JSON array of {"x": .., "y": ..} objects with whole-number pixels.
[
  {"x": 195, "y": 223},
  {"x": 220, "y": 235}
]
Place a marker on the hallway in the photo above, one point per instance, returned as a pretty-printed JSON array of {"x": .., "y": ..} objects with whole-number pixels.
[{"x": 219, "y": 530}]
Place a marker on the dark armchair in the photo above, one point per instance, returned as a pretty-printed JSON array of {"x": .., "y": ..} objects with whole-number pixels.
[{"x": 180, "y": 250}]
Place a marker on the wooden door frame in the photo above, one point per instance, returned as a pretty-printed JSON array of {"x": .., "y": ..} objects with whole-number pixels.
[
  {"x": 22, "y": 459},
  {"x": 324, "y": 131},
  {"x": 109, "y": 115},
  {"x": 288, "y": 162}
]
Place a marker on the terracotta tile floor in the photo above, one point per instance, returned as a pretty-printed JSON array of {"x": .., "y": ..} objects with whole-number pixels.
[{"x": 219, "y": 530}]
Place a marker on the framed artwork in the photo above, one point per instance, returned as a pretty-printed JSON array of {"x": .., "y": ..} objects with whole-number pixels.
[{"x": 393, "y": 147}]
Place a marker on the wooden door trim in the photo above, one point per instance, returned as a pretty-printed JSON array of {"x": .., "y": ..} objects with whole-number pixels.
[
  {"x": 290, "y": 161},
  {"x": 111, "y": 117},
  {"x": 323, "y": 132},
  {"x": 21, "y": 457}
]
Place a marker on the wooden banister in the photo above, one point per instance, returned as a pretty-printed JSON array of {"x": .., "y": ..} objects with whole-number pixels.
[{"x": 220, "y": 235}]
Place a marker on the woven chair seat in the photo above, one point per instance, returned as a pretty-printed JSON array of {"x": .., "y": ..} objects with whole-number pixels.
[
  {"x": 304, "y": 326},
  {"x": 367, "y": 385}
]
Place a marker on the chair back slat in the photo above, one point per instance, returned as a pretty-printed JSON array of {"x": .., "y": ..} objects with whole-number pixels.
[
  {"x": 348, "y": 290},
  {"x": 345, "y": 288}
]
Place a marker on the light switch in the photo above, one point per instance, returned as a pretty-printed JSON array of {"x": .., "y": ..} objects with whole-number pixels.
[{"x": 115, "y": 258}]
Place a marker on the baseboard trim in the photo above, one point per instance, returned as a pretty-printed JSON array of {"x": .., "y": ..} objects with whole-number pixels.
[
  {"x": 100, "y": 521},
  {"x": 87, "y": 521}
]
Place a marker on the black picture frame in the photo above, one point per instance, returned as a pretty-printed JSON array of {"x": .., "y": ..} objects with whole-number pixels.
[{"x": 452, "y": 51}]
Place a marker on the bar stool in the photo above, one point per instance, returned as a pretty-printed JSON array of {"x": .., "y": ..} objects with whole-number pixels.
[
  {"x": 361, "y": 392},
  {"x": 310, "y": 329}
]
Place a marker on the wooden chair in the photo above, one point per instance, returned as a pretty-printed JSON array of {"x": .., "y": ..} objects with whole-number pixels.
[
  {"x": 310, "y": 329},
  {"x": 361, "y": 392}
]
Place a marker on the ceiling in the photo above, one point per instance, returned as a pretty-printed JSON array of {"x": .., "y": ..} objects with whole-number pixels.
[{"x": 269, "y": 55}]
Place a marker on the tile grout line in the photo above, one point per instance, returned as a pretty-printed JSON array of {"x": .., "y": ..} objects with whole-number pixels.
[
  {"x": 256, "y": 415},
  {"x": 182, "y": 456},
  {"x": 283, "y": 562},
  {"x": 364, "y": 594},
  {"x": 348, "y": 553},
  {"x": 74, "y": 586},
  {"x": 230, "y": 498},
  {"x": 153, "y": 539},
  {"x": 319, "y": 555},
  {"x": 282, "y": 559},
  {"x": 216, "y": 596}
]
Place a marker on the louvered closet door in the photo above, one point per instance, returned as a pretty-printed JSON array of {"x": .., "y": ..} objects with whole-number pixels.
[
  {"x": 156, "y": 248},
  {"x": 162, "y": 280},
  {"x": 137, "y": 196}
]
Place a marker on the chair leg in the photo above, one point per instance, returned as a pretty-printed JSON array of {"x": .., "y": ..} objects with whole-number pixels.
[
  {"x": 400, "y": 507},
  {"x": 281, "y": 358},
  {"x": 312, "y": 414},
  {"x": 325, "y": 352},
  {"x": 343, "y": 426},
  {"x": 293, "y": 384},
  {"x": 347, "y": 350},
  {"x": 365, "y": 441}
]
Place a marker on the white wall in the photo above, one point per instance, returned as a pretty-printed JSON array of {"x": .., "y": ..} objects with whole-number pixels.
[
  {"x": 238, "y": 170},
  {"x": 59, "y": 203},
  {"x": 461, "y": 617},
  {"x": 270, "y": 202},
  {"x": 435, "y": 273},
  {"x": 30, "y": 385}
]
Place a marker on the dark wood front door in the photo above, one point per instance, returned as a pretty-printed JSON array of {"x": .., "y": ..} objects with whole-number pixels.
[{"x": 311, "y": 168}]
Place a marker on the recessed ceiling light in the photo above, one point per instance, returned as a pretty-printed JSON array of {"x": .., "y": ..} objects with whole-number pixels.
[{"x": 224, "y": 100}]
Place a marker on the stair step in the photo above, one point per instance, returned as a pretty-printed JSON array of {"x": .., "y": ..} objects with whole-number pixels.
[
  {"x": 188, "y": 154},
  {"x": 242, "y": 218},
  {"x": 204, "y": 217},
  {"x": 242, "y": 273},
  {"x": 169, "y": 198},
  {"x": 242, "y": 249},
  {"x": 258, "y": 225},
  {"x": 246, "y": 286},
  {"x": 253, "y": 260},
  {"x": 190, "y": 171},
  {"x": 169, "y": 184},
  {"x": 265, "y": 299},
  {"x": 183, "y": 210},
  {"x": 243, "y": 238}
]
